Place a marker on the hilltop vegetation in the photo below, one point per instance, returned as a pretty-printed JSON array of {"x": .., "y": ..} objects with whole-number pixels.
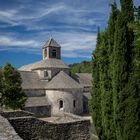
[{"x": 83, "y": 67}]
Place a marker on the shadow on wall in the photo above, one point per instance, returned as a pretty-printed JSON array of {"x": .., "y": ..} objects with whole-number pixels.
[{"x": 40, "y": 111}]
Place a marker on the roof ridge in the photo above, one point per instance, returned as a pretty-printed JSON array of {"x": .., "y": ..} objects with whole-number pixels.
[
  {"x": 50, "y": 41},
  {"x": 27, "y": 71}
]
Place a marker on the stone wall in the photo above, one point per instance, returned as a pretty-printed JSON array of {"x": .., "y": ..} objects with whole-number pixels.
[
  {"x": 14, "y": 114},
  {"x": 6, "y": 130},
  {"x": 28, "y": 127},
  {"x": 67, "y": 96},
  {"x": 40, "y": 111},
  {"x": 86, "y": 98},
  {"x": 31, "y": 128}
]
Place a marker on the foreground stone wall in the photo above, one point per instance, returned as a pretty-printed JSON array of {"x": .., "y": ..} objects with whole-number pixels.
[
  {"x": 13, "y": 114},
  {"x": 31, "y": 128},
  {"x": 6, "y": 130}
]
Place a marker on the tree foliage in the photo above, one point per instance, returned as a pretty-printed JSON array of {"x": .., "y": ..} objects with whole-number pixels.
[
  {"x": 95, "y": 103},
  {"x": 1, "y": 86},
  {"x": 115, "y": 95},
  {"x": 12, "y": 94},
  {"x": 83, "y": 67},
  {"x": 1, "y": 78}
]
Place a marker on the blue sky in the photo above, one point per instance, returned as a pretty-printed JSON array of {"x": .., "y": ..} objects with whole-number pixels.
[{"x": 25, "y": 26}]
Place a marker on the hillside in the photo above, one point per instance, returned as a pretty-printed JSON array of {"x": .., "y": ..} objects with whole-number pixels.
[{"x": 83, "y": 67}]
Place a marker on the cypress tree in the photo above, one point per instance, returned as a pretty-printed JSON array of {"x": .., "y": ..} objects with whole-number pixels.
[
  {"x": 103, "y": 68},
  {"x": 1, "y": 79},
  {"x": 1, "y": 86},
  {"x": 111, "y": 37},
  {"x": 108, "y": 75},
  {"x": 131, "y": 126},
  {"x": 122, "y": 62},
  {"x": 116, "y": 76},
  {"x": 95, "y": 102},
  {"x": 103, "y": 59}
]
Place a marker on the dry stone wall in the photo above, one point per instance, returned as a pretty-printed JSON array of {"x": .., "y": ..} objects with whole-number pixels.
[
  {"x": 14, "y": 114},
  {"x": 6, "y": 130},
  {"x": 40, "y": 111},
  {"x": 31, "y": 128}
]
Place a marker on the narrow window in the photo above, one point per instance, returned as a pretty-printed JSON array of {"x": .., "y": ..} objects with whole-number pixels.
[
  {"x": 54, "y": 53},
  {"x": 45, "y": 53},
  {"x": 60, "y": 104},
  {"x": 74, "y": 103},
  {"x": 45, "y": 73}
]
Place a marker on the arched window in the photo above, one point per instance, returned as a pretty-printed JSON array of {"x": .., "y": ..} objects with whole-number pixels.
[
  {"x": 54, "y": 53},
  {"x": 60, "y": 104},
  {"x": 45, "y": 73},
  {"x": 74, "y": 103}
]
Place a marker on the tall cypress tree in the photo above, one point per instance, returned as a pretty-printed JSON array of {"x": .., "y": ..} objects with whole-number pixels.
[
  {"x": 118, "y": 78},
  {"x": 122, "y": 62},
  {"x": 1, "y": 87},
  {"x": 111, "y": 37},
  {"x": 103, "y": 68},
  {"x": 1, "y": 79},
  {"x": 95, "y": 105},
  {"x": 103, "y": 78},
  {"x": 131, "y": 126}
]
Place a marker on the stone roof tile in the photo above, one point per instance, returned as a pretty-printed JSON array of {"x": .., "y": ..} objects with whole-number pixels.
[
  {"x": 51, "y": 43},
  {"x": 85, "y": 79},
  {"x": 63, "y": 81},
  {"x": 46, "y": 63},
  {"x": 30, "y": 80},
  {"x": 36, "y": 101}
]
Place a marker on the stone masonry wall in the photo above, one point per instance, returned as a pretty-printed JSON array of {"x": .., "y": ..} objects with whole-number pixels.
[
  {"x": 12, "y": 114},
  {"x": 30, "y": 128},
  {"x": 67, "y": 96},
  {"x": 40, "y": 111},
  {"x": 7, "y": 132}
]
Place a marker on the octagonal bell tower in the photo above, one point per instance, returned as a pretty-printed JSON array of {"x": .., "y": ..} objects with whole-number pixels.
[{"x": 51, "y": 49}]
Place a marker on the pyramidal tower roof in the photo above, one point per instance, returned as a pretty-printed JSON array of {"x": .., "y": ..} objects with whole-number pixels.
[{"x": 51, "y": 43}]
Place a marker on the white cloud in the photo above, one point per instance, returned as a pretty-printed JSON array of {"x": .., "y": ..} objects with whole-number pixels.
[
  {"x": 9, "y": 41},
  {"x": 73, "y": 44},
  {"x": 8, "y": 16},
  {"x": 75, "y": 55},
  {"x": 30, "y": 17},
  {"x": 69, "y": 33},
  {"x": 76, "y": 41},
  {"x": 15, "y": 16}
]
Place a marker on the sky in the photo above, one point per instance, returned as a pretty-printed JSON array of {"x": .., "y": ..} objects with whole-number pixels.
[{"x": 26, "y": 25}]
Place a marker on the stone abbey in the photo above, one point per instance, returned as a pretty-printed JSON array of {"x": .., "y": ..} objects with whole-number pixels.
[{"x": 51, "y": 87}]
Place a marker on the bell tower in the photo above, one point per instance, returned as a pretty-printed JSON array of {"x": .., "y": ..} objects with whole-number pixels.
[{"x": 51, "y": 49}]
